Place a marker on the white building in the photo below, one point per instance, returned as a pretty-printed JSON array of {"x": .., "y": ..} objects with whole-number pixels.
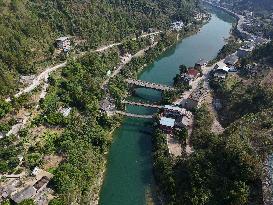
[
  {"x": 63, "y": 43},
  {"x": 178, "y": 25}
]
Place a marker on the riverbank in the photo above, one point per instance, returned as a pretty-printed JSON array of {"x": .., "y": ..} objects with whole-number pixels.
[
  {"x": 152, "y": 56},
  {"x": 129, "y": 162}
]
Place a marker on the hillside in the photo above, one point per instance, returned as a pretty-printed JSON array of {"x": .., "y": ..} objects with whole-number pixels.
[
  {"x": 28, "y": 28},
  {"x": 260, "y": 6}
]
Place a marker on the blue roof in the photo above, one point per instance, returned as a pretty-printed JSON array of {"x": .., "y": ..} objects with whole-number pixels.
[{"x": 167, "y": 121}]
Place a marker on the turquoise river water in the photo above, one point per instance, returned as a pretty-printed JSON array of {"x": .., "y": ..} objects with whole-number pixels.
[{"x": 129, "y": 171}]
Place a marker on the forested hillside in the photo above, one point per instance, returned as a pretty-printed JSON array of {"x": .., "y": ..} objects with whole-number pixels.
[
  {"x": 28, "y": 28},
  {"x": 254, "y": 5}
]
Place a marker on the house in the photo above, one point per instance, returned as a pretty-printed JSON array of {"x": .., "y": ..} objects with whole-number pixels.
[
  {"x": 193, "y": 73},
  {"x": 107, "y": 104},
  {"x": 183, "y": 122},
  {"x": 178, "y": 25},
  {"x": 191, "y": 103},
  {"x": 26, "y": 193},
  {"x": 201, "y": 64},
  {"x": 189, "y": 76},
  {"x": 65, "y": 111},
  {"x": 30, "y": 191},
  {"x": 2, "y": 135},
  {"x": 220, "y": 70},
  {"x": 260, "y": 41},
  {"x": 173, "y": 111},
  {"x": 220, "y": 74},
  {"x": 63, "y": 43},
  {"x": 231, "y": 60},
  {"x": 167, "y": 124},
  {"x": 246, "y": 49}
]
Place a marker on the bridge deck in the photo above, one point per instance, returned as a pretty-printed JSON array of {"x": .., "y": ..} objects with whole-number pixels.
[
  {"x": 143, "y": 104},
  {"x": 134, "y": 115},
  {"x": 146, "y": 84}
]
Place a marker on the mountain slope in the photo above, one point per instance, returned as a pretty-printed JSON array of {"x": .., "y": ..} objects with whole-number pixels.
[{"x": 28, "y": 28}]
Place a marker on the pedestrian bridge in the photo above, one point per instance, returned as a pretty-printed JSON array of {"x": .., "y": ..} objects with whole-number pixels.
[
  {"x": 142, "y": 104},
  {"x": 145, "y": 84},
  {"x": 134, "y": 115}
]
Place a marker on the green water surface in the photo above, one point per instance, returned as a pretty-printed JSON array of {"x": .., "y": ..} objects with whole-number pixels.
[{"x": 129, "y": 171}]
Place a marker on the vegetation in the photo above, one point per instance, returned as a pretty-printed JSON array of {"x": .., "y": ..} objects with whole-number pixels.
[
  {"x": 29, "y": 28},
  {"x": 260, "y": 6},
  {"x": 229, "y": 161}
]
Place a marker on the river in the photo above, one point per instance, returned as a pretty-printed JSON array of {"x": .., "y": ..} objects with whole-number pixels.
[{"x": 129, "y": 171}]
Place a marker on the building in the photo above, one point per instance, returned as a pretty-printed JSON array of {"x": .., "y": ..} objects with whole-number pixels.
[
  {"x": 246, "y": 49},
  {"x": 26, "y": 193},
  {"x": 30, "y": 191},
  {"x": 193, "y": 73},
  {"x": 65, "y": 111},
  {"x": 178, "y": 25},
  {"x": 2, "y": 135},
  {"x": 167, "y": 125},
  {"x": 173, "y": 111},
  {"x": 231, "y": 60},
  {"x": 220, "y": 74},
  {"x": 63, "y": 43},
  {"x": 260, "y": 41},
  {"x": 201, "y": 64}
]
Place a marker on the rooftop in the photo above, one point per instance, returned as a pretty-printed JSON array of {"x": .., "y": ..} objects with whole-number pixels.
[
  {"x": 231, "y": 59},
  {"x": 64, "y": 38},
  {"x": 193, "y": 72},
  {"x": 24, "y": 194},
  {"x": 202, "y": 62},
  {"x": 221, "y": 66},
  {"x": 169, "y": 122}
]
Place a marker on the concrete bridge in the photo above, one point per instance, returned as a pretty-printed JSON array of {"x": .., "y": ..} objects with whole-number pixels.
[
  {"x": 134, "y": 115},
  {"x": 145, "y": 84},
  {"x": 142, "y": 104}
]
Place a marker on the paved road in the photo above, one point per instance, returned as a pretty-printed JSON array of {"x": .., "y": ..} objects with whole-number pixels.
[
  {"x": 37, "y": 81},
  {"x": 125, "y": 60}
]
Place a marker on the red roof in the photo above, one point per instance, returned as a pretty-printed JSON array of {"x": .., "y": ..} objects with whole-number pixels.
[{"x": 193, "y": 72}]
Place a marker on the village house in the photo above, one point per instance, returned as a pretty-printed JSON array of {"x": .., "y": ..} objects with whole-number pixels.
[
  {"x": 31, "y": 187},
  {"x": 260, "y": 41},
  {"x": 246, "y": 49},
  {"x": 107, "y": 104},
  {"x": 167, "y": 125},
  {"x": 201, "y": 64},
  {"x": 173, "y": 111},
  {"x": 30, "y": 191},
  {"x": 63, "y": 43},
  {"x": 189, "y": 76},
  {"x": 65, "y": 111},
  {"x": 2, "y": 135},
  {"x": 178, "y": 25},
  {"x": 231, "y": 60},
  {"x": 220, "y": 70}
]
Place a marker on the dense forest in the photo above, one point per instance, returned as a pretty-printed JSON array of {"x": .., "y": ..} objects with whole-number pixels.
[
  {"x": 29, "y": 28},
  {"x": 254, "y": 5},
  {"x": 81, "y": 140}
]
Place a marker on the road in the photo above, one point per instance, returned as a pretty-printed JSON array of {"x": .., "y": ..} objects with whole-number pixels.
[
  {"x": 125, "y": 60},
  {"x": 44, "y": 75},
  {"x": 37, "y": 80}
]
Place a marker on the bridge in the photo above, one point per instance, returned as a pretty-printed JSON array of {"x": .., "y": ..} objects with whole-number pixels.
[
  {"x": 146, "y": 84},
  {"x": 134, "y": 115},
  {"x": 142, "y": 104}
]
